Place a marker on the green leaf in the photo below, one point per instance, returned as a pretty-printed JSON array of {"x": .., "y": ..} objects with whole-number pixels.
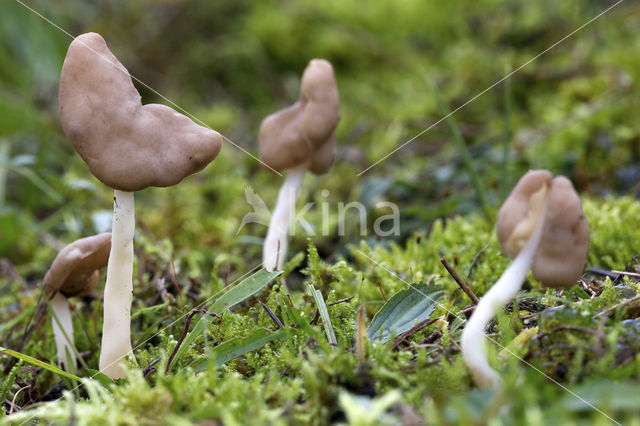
[
  {"x": 200, "y": 326},
  {"x": 20, "y": 318},
  {"x": 247, "y": 288},
  {"x": 102, "y": 378},
  {"x": 604, "y": 394},
  {"x": 405, "y": 309},
  {"x": 238, "y": 346},
  {"x": 291, "y": 316},
  {"x": 37, "y": 362}
]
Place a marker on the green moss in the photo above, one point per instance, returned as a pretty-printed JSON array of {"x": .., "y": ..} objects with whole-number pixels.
[{"x": 300, "y": 380}]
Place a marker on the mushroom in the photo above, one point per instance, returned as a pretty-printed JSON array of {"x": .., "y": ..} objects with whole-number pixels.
[
  {"x": 74, "y": 272},
  {"x": 542, "y": 227},
  {"x": 298, "y": 138},
  {"x": 127, "y": 146}
]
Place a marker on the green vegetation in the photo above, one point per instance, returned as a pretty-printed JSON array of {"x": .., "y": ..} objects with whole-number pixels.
[{"x": 230, "y": 63}]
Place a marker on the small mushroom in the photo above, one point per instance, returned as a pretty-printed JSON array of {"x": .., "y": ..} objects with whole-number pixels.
[
  {"x": 542, "y": 227},
  {"x": 298, "y": 138},
  {"x": 74, "y": 272},
  {"x": 129, "y": 147}
]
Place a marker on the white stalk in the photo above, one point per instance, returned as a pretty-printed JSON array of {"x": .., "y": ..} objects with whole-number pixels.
[
  {"x": 118, "y": 290},
  {"x": 473, "y": 345},
  {"x": 62, "y": 326},
  {"x": 275, "y": 244}
]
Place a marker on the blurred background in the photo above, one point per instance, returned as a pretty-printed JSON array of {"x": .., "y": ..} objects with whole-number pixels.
[{"x": 229, "y": 63}]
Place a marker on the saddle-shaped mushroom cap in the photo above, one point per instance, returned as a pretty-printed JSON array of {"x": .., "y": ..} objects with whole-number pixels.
[
  {"x": 126, "y": 145},
  {"x": 562, "y": 252},
  {"x": 564, "y": 244},
  {"x": 304, "y": 131},
  {"x": 74, "y": 271},
  {"x": 515, "y": 210}
]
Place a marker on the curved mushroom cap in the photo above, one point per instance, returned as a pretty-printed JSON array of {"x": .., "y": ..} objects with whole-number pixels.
[
  {"x": 126, "y": 145},
  {"x": 74, "y": 271},
  {"x": 304, "y": 131},
  {"x": 564, "y": 244}
]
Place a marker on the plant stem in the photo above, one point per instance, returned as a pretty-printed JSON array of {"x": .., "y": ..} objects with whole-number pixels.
[
  {"x": 118, "y": 290},
  {"x": 275, "y": 244}
]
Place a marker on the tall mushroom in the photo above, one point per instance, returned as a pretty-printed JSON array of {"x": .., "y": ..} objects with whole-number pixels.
[
  {"x": 298, "y": 138},
  {"x": 128, "y": 146},
  {"x": 74, "y": 272},
  {"x": 542, "y": 227}
]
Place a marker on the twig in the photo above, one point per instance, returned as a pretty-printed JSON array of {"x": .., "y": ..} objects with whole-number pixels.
[
  {"x": 583, "y": 285},
  {"x": 149, "y": 370},
  {"x": 616, "y": 306},
  {"x": 347, "y": 299},
  {"x": 467, "y": 311},
  {"x": 13, "y": 401},
  {"x": 272, "y": 315},
  {"x": 382, "y": 292},
  {"x": 631, "y": 274},
  {"x": 455, "y": 344},
  {"x": 185, "y": 330},
  {"x": 458, "y": 280},
  {"x": 316, "y": 317},
  {"x": 11, "y": 404},
  {"x": 401, "y": 338}
]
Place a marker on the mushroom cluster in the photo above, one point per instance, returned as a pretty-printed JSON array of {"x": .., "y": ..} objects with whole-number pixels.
[
  {"x": 298, "y": 138},
  {"x": 542, "y": 227},
  {"x": 74, "y": 272},
  {"x": 128, "y": 147}
]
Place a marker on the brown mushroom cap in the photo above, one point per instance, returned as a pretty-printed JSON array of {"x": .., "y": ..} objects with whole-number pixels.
[
  {"x": 74, "y": 271},
  {"x": 126, "y": 145},
  {"x": 564, "y": 244},
  {"x": 304, "y": 131}
]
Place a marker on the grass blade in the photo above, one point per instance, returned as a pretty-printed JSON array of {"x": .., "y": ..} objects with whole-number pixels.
[
  {"x": 247, "y": 288},
  {"x": 324, "y": 315},
  {"x": 239, "y": 346},
  {"x": 504, "y": 178},
  {"x": 466, "y": 155},
  {"x": 38, "y": 363}
]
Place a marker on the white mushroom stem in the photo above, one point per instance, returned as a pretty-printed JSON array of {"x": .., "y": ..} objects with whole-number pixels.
[
  {"x": 473, "y": 345},
  {"x": 118, "y": 290},
  {"x": 275, "y": 244},
  {"x": 63, "y": 325}
]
